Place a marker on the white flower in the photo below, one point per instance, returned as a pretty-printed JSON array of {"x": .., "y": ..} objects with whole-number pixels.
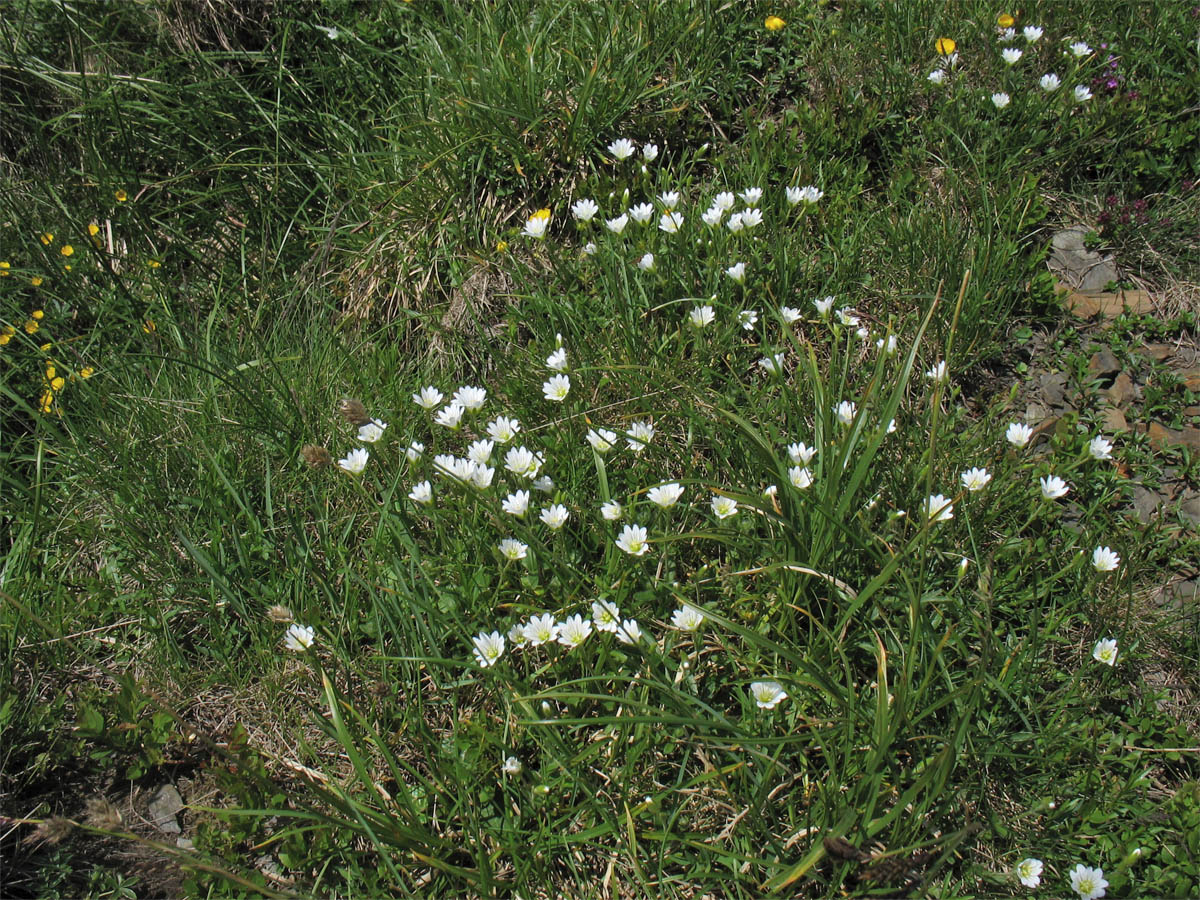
[
  {"x": 669, "y": 199},
  {"x": 646, "y": 263},
  {"x": 605, "y": 616},
  {"x": 650, "y": 152},
  {"x": 642, "y": 213},
  {"x": 845, "y": 412},
  {"x": 622, "y": 148},
  {"x": 1105, "y": 559},
  {"x": 937, "y": 76},
  {"x": 632, "y": 540},
  {"x": 590, "y": 248},
  {"x": 355, "y": 461},
  {"x": 847, "y": 318},
  {"x": 862, "y": 333},
  {"x": 767, "y": 694},
  {"x": 735, "y": 223},
  {"x": 421, "y": 493},
  {"x": 701, "y": 316},
  {"x": 1053, "y": 487},
  {"x": 687, "y": 618},
  {"x": 748, "y": 318},
  {"x": 516, "y": 503},
  {"x": 723, "y": 201},
  {"x": 371, "y": 431},
  {"x": 639, "y": 435},
  {"x": 557, "y": 361},
  {"x": 512, "y": 766},
  {"x": 541, "y": 630},
  {"x": 975, "y": 479},
  {"x": 428, "y": 398},
  {"x": 670, "y": 222},
  {"x": 772, "y": 365},
  {"x": 488, "y": 648},
  {"x": 469, "y": 398},
  {"x": 611, "y": 510},
  {"x": 617, "y": 225},
  {"x": 770, "y": 490},
  {"x": 1082, "y": 93},
  {"x": 545, "y": 484},
  {"x": 522, "y": 461},
  {"x": 939, "y": 508},
  {"x": 1049, "y": 82},
  {"x": 516, "y": 635},
  {"x": 712, "y": 216},
  {"x": 793, "y": 195},
  {"x": 1100, "y": 448},
  {"x": 584, "y": 210},
  {"x": 790, "y": 315},
  {"x": 536, "y": 225},
  {"x": 1080, "y": 49},
  {"x": 557, "y": 388},
  {"x": 512, "y": 549},
  {"x": 601, "y": 439},
  {"x": 1010, "y": 55},
  {"x": 1029, "y": 871},
  {"x": 1089, "y": 884},
  {"x": 665, "y": 495},
  {"x": 800, "y": 453},
  {"x": 480, "y": 451},
  {"x": 737, "y": 272},
  {"x": 1000, "y": 99},
  {"x": 555, "y": 516},
  {"x": 824, "y": 305},
  {"x": 629, "y": 632},
  {"x": 1105, "y": 651},
  {"x": 891, "y": 426},
  {"x": 503, "y": 429},
  {"x": 299, "y": 637},
  {"x": 1032, "y": 33},
  {"x": 574, "y": 631},
  {"x": 939, "y": 372},
  {"x": 1007, "y": 35},
  {"x": 1018, "y": 435},
  {"x": 888, "y": 345},
  {"x": 800, "y": 477},
  {"x": 751, "y": 218},
  {"x": 414, "y": 451},
  {"x": 724, "y": 507},
  {"x": 481, "y": 476},
  {"x": 751, "y": 196},
  {"x": 445, "y": 463},
  {"x": 811, "y": 194},
  {"x": 449, "y": 416}
]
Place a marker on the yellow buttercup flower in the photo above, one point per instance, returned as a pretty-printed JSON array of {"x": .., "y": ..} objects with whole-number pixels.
[
  {"x": 1004, "y": 20},
  {"x": 121, "y": 196},
  {"x": 86, "y": 372},
  {"x": 5, "y": 338},
  {"x": 50, "y": 371},
  {"x": 501, "y": 246},
  {"x": 36, "y": 280},
  {"x": 56, "y": 384},
  {"x": 945, "y": 46},
  {"x": 47, "y": 238},
  {"x": 93, "y": 229},
  {"x": 38, "y": 314},
  {"x": 154, "y": 263},
  {"x": 47, "y": 401},
  {"x": 45, "y": 348},
  {"x": 774, "y": 23},
  {"x": 149, "y": 327},
  {"x": 4, "y": 267},
  {"x": 31, "y": 326},
  {"x": 542, "y": 213},
  {"x": 66, "y": 250}
]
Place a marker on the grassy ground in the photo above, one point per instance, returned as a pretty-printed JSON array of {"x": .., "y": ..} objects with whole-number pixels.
[{"x": 223, "y": 221}]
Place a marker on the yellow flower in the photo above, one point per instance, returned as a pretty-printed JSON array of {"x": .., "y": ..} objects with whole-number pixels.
[
  {"x": 56, "y": 384},
  {"x": 154, "y": 263},
  {"x": 36, "y": 280},
  {"x": 93, "y": 229},
  {"x": 542, "y": 213},
  {"x": 67, "y": 250},
  {"x": 774, "y": 23},
  {"x": 501, "y": 246},
  {"x": 4, "y": 267},
  {"x": 45, "y": 347},
  {"x": 121, "y": 196},
  {"x": 5, "y": 338},
  {"x": 1004, "y": 20},
  {"x": 86, "y": 372},
  {"x": 149, "y": 327},
  {"x": 945, "y": 46},
  {"x": 38, "y": 314},
  {"x": 31, "y": 326},
  {"x": 47, "y": 401},
  {"x": 47, "y": 238},
  {"x": 50, "y": 370}
]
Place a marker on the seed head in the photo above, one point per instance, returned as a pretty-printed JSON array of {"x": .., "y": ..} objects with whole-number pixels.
[{"x": 354, "y": 412}]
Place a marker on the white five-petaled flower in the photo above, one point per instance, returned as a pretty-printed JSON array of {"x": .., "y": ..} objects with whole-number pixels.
[
  {"x": 545, "y": 484},
  {"x": 670, "y": 222},
  {"x": 887, "y": 345},
  {"x": 665, "y": 495},
  {"x": 590, "y": 248},
  {"x": 1049, "y": 82},
  {"x": 605, "y": 616},
  {"x": 629, "y": 632},
  {"x": 516, "y": 503},
  {"x": 712, "y": 216},
  {"x": 823, "y": 305},
  {"x": 574, "y": 631},
  {"x": 701, "y": 316},
  {"x": 650, "y": 152},
  {"x": 428, "y": 397},
  {"x": 639, "y": 435},
  {"x": 480, "y": 451},
  {"x": 748, "y": 318},
  {"x": 687, "y": 618},
  {"x": 1018, "y": 435},
  {"x": 555, "y": 516},
  {"x": 938, "y": 508},
  {"x": 735, "y": 223},
  {"x": 422, "y": 493},
  {"x": 503, "y": 429},
  {"x": 1032, "y": 33},
  {"x": 790, "y": 314},
  {"x": 767, "y": 694},
  {"x": 601, "y": 439},
  {"x": 845, "y": 412},
  {"x": 414, "y": 451},
  {"x": 355, "y": 461},
  {"x": 1089, "y": 884},
  {"x": 371, "y": 431},
  {"x": 737, "y": 272},
  {"x": 1100, "y": 447},
  {"x": 584, "y": 210},
  {"x": 724, "y": 507},
  {"x": 557, "y": 388},
  {"x": 512, "y": 549},
  {"x": 632, "y": 540},
  {"x": 1079, "y": 49},
  {"x": 541, "y": 629},
  {"x": 617, "y": 225},
  {"x": 522, "y": 461},
  {"x": 800, "y": 477},
  {"x": 1010, "y": 55},
  {"x": 557, "y": 361},
  {"x": 1082, "y": 93},
  {"x": 1105, "y": 651},
  {"x": 511, "y": 766},
  {"x": 622, "y": 148},
  {"x": 1000, "y": 99},
  {"x": 1006, "y": 35},
  {"x": 450, "y": 416},
  {"x": 847, "y": 318},
  {"x": 611, "y": 510},
  {"x": 808, "y": 194},
  {"x": 481, "y": 475},
  {"x": 1029, "y": 872},
  {"x": 488, "y": 648},
  {"x": 937, "y": 76},
  {"x": 536, "y": 225},
  {"x": 642, "y": 213},
  {"x": 1053, "y": 487},
  {"x": 1105, "y": 559},
  {"x": 751, "y": 218},
  {"x": 669, "y": 199},
  {"x": 469, "y": 398},
  {"x": 975, "y": 479},
  {"x": 751, "y": 195},
  {"x": 800, "y": 453},
  {"x": 723, "y": 201},
  {"x": 646, "y": 263},
  {"x": 939, "y": 372},
  {"x": 772, "y": 365},
  {"x": 299, "y": 637}
]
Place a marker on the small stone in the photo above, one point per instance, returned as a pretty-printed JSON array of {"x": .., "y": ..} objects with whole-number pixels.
[
  {"x": 1108, "y": 305},
  {"x": 1114, "y": 419},
  {"x": 1103, "y": 364},
  {"x": 1191, "y": 379},
  {"x": 185, "y": 843},
  {"x": 1054, "y": 389},
  {"x": 1046, "y": 426},
  {"x": 1121, "y": 391},
  {"x": 1145, "y": 503},
  {"x": 164, "y": 806},
  {"x": 1189, "y": 508},
  {"x": 1162, "y": 437},
  {"x": 1158, "y": 352}
]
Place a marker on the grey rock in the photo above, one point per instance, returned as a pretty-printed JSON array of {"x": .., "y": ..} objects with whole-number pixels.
[
  {"x": 164, "y": 806},
  {"x": 1085, "y": 270},
  {"x": 1103, "y": 364},
  {"x": 1145, "y": 503}
]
